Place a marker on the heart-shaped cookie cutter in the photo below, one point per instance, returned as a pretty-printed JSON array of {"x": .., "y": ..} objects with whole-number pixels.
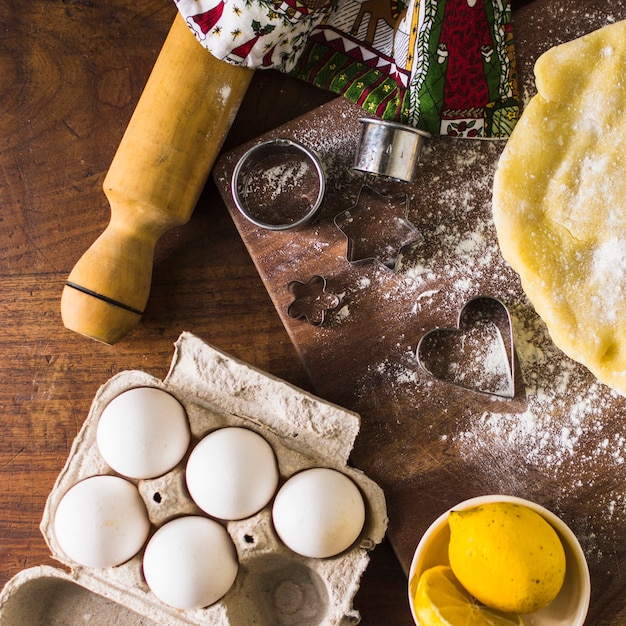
[{"x": 484, "y": 322}]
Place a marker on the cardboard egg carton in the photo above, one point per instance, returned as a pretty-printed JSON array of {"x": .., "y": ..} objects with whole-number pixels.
[{"x": 274, "y": 585}]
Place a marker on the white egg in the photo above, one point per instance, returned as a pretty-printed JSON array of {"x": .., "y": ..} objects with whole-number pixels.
[
  {"x": 319, "y": 513},
  {"x": 143, "y": 432},
  {"x": 101, "y": 521},
  {"x": 232, "y": 473},
  {"x": 190, "y": 562}
]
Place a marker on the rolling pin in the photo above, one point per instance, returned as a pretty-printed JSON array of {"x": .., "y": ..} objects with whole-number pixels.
[{"x": 154, "y": 181}]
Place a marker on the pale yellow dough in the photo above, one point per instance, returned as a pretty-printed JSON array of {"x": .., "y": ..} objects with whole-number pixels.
[{"x": 559, "y": 200}]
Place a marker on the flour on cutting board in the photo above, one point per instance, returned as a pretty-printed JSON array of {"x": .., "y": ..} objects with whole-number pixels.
[
  {"x": 563, "y": 444},
  {"x": 562, "y": 432},
  {"x": 566, "y": 407}
]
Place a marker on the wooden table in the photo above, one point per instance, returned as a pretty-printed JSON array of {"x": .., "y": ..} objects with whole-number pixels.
[{"x": 71, "y": 73}]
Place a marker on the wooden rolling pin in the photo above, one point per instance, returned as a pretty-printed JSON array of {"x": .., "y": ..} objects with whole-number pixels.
[{"x": 158, "y": 172}]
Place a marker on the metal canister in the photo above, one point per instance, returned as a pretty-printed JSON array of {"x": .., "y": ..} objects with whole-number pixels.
[{"x": 389, "y": 149}]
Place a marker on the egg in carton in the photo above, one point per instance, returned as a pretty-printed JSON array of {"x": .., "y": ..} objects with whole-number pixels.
[{"x": 269, "y": 567}]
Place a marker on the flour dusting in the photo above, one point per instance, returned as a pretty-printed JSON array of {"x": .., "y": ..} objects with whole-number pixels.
[
  {"x": 607, "y": 278},
  {"x": 560, "y": 441}
]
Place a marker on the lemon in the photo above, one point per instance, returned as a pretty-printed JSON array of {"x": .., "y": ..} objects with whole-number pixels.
[
  {"x": 439, "y": 600},
  {"x": 507, "y": 556}
]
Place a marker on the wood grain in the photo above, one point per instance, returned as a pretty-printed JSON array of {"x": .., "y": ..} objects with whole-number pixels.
[
  {"x": 72, "y": 72},
  {"x": 428, "y": 443}
]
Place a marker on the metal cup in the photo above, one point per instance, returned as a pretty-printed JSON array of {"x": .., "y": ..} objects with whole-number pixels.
[{"x": 389, "y": 149}]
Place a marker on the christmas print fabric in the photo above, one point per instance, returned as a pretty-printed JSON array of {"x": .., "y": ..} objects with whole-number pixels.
[{"x": 444, "y": 66}]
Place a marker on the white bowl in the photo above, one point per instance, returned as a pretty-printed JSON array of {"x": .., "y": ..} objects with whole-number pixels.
[{"x": 569, "y": 608}]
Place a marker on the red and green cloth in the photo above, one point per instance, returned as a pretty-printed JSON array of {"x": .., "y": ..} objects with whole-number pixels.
[{"x": 444, "y": 66}]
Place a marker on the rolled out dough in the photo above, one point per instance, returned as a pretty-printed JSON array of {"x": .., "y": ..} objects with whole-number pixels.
[{"x": 559, "y": 200}]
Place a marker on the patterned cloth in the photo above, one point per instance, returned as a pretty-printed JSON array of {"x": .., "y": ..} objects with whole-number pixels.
[{"x": 444, "y": 66}]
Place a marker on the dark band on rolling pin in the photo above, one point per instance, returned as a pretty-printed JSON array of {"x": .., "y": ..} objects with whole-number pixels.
[{"x": 120, "y": 305}]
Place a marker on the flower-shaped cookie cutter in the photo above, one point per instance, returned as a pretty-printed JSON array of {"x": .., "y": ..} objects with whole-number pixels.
[
  {"x": 478, "y": 354},
  {"x": 311, "y": 300}
]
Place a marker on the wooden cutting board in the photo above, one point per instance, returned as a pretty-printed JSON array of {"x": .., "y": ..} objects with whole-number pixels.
[{"x": 560, "y": 441}]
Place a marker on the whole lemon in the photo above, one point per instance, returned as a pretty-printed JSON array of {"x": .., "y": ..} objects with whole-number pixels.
[{"x": 507, "y": 556}]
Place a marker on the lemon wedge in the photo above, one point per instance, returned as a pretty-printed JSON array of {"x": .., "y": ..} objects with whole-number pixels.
[{"x": 440, "y": 600}]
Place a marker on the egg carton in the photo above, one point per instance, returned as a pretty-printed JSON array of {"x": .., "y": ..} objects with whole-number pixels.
[{"x": 274, "y": 585}]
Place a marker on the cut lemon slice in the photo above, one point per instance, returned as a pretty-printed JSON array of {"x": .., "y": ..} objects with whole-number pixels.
[{"x": 440, "y": 600}]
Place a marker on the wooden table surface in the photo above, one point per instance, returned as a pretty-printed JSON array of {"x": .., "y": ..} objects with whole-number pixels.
[{"x": 70, "y": 75}]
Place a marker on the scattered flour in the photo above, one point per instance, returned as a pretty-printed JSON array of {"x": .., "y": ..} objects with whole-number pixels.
[
  {"x": 569, "y": 431},
  {"x": 566, "y": 437}
]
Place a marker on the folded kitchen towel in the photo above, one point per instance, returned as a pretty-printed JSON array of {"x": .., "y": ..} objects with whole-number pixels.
[{"x": 444, "y": 66}]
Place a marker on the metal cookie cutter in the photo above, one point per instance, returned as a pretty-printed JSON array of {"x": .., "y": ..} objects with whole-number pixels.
[
  {"x": 311, "y": 300},
  {"x": 479, "y": 354},
  {"x": 278, "y": 184},
  {"x": 377, "y": 227},
  {"x": 389, "y": 149}
]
